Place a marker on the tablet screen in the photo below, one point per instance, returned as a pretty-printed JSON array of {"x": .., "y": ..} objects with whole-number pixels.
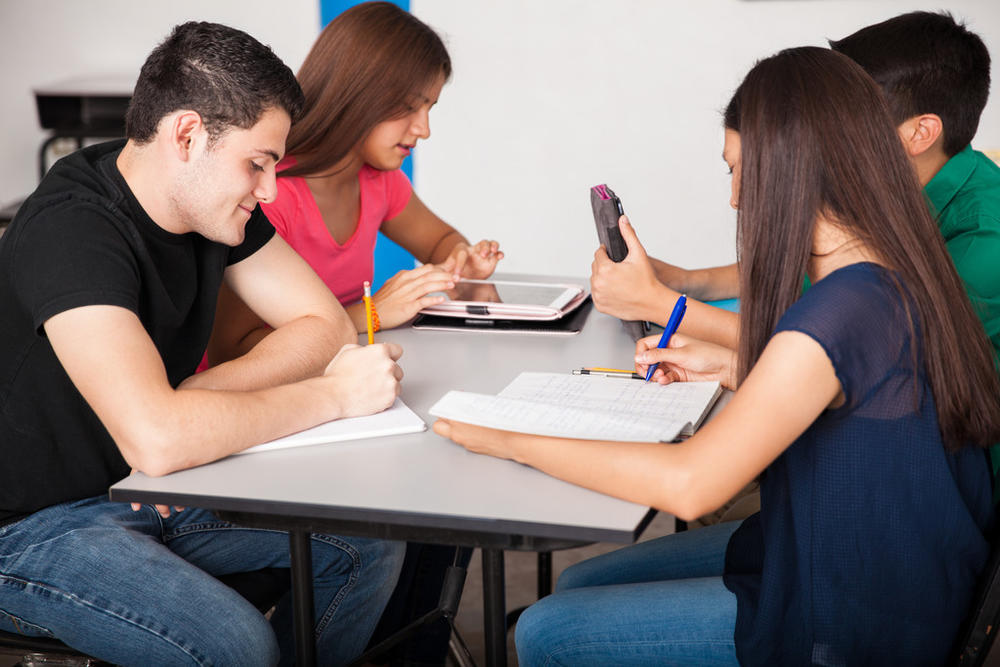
[{"x": 520, "y": 293}]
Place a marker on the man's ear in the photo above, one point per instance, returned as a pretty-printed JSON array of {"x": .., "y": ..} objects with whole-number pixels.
[
  {"x": 186, "y": 129},
  {"x": 920, "y": 133}
]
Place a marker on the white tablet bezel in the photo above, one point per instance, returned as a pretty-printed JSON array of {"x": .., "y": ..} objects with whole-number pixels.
[{"x": 553, "y": 309}]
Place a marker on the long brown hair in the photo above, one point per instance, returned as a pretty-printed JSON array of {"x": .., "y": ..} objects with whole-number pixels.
[
  {"x": 816, "y": 137},
  {"x": 368, "y": 65}
]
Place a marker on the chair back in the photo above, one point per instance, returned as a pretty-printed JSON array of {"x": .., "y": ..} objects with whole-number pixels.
[{"x": 980, "y": 629}]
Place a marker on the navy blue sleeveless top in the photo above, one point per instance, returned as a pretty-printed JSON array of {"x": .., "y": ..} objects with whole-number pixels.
[{"x": 870, "y": 535}]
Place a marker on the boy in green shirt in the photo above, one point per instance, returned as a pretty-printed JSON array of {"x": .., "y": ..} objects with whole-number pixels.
[{"x": 936, "y": 76}]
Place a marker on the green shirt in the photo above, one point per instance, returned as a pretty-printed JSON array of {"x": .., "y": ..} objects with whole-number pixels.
[{"x": 965, "y": 198}]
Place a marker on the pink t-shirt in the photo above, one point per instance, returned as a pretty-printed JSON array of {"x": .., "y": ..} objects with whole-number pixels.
[{"x": 294, "y": 213}]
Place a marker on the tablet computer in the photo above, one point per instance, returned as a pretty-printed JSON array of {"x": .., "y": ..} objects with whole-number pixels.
[
  {"x": 569, "y": 325},
  {"x": 508, "y": 299}
]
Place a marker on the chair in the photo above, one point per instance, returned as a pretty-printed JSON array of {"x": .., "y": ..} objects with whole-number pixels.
[
  {"x": 979, "y": 631},
  {"x": 262, "y": 588}
]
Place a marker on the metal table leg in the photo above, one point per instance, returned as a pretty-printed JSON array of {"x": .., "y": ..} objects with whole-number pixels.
[
  {"x": 494, "y": 608},
  {"x": 302, "y": 597}
]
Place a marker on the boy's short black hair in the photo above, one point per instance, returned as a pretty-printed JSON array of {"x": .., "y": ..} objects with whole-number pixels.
[
  {"x": 224, "y": 74},
  {"x": 926, "y": 62}
]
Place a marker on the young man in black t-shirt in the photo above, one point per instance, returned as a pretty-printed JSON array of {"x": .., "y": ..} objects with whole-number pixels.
[{"x": 108, "y": 282}]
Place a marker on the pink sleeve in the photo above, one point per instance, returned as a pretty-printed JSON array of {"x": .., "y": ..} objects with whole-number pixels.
[{"x": 398, "y": 190}]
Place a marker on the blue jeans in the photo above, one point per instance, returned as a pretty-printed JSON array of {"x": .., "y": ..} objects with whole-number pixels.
[
  {"x": 660, "y": 602},
  {"x": 133, "y": 588}
]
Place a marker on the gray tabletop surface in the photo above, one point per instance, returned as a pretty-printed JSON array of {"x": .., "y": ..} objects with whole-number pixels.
[{"x": 423, "y": 480}]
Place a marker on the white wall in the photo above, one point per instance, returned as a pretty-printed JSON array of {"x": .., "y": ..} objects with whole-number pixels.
[{"x": 548, "y": 98}]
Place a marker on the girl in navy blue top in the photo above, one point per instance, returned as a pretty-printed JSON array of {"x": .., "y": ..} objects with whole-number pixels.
[{"x": 865, "y": 407}]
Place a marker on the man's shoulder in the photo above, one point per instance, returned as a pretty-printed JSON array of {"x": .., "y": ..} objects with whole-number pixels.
[
  {"x": 80, "y": 179},
  {"x": 975, "y": 205}
]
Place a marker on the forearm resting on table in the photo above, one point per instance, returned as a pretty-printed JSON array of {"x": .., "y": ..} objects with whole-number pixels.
[
  {"x": 214, "y": 424},
  {"x": 299, "y": 349},
  {"x": 659, "y": 475}
]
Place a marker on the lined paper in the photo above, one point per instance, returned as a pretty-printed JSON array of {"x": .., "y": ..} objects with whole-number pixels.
[{"x": 588, "y": 407}]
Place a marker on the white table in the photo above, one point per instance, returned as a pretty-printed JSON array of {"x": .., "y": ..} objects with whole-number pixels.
[{"x": 420, "y": 487}]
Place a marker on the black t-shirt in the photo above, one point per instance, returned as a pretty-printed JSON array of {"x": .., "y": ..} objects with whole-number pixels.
[{"x": 83, "y": 239}]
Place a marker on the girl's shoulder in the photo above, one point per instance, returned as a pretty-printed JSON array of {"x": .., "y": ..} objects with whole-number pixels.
[
  {"x": 859, "y": 316},
  {"x": 863, "y": 289}
]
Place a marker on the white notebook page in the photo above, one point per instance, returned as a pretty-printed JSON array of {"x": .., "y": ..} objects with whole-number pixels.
[
  {"x": 397, "y": 419},
  {"x": 679, "y": 401},
  {"x": 589, "y": 407}
]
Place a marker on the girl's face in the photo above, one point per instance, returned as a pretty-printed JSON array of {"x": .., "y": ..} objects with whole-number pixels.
[
  {"x": 389, "y": 142},
  {"x": 731, "y": 154}
]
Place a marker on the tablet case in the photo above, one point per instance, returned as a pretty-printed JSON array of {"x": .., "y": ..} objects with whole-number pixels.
[
  {"x": 493, "y": 310},
  {"x": 607, "y": 209},
  {"x": 569, "y": 325}
]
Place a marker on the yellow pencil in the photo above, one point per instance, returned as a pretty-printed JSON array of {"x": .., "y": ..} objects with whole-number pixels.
[{"x": 368, "y": 312}]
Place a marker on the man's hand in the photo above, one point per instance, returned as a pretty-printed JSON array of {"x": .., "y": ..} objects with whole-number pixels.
[
  {"x": 364, "y": 380},
  {"x": 478, "y": 261},
  {"x": 686, "y": 359},
  {"x": 162, "y": 510},
  {"x": 625, "y": 289}
]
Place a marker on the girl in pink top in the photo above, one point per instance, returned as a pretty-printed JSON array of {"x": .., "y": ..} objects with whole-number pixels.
[{"x": 370, "y": 81}]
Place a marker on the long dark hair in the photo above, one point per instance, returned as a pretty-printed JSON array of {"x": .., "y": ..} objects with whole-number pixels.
[
  {"x": 368, "y": 65},
  {"x": 816, "y": 138}
]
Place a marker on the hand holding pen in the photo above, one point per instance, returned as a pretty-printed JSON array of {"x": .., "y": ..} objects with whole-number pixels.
[
  {"x": 676, "y": 315},
  {"x": 688, "y": 360}
]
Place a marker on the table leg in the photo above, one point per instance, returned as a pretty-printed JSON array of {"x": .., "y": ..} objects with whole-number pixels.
[
  {"x": 494, "y": 608},
  {"x": 302, "y": 597}
]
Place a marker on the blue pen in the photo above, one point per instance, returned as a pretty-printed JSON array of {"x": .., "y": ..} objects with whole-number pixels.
[{"x": 675, "y": 321}]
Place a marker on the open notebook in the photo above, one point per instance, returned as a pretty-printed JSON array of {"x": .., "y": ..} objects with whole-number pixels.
[
  {"x": 394, "y": 421},
  {"x": 586, "y": 406}
]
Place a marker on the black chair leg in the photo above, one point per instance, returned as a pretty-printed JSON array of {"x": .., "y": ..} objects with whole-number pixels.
[
  {"x": 451, "y": 595},
  {"x": 544, "y": 585}
]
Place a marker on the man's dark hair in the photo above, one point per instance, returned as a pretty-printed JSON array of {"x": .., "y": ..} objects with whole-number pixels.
[
  {"x": 925, "y": 62},
  {"x": 224, "y": 74}
]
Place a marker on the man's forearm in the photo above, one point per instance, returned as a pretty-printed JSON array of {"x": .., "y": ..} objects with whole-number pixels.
[{"x": 300, "y": 349}]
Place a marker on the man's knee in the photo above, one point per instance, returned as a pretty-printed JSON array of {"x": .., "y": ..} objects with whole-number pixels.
[
  {"x": 235, "y": 635},
  {"x": 375, "y": 560}
]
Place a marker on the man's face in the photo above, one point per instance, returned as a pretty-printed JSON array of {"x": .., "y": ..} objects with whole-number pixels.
[{"x": 220, "y": 186}]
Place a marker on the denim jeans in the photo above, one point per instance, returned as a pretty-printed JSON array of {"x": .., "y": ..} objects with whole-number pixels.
[
  {"x": 660, "y": 602},
  {"x": 133, "y": 588}
]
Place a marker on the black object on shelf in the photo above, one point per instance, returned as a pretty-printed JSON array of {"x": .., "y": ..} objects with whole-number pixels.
[{"x": 82, "y": 108}]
